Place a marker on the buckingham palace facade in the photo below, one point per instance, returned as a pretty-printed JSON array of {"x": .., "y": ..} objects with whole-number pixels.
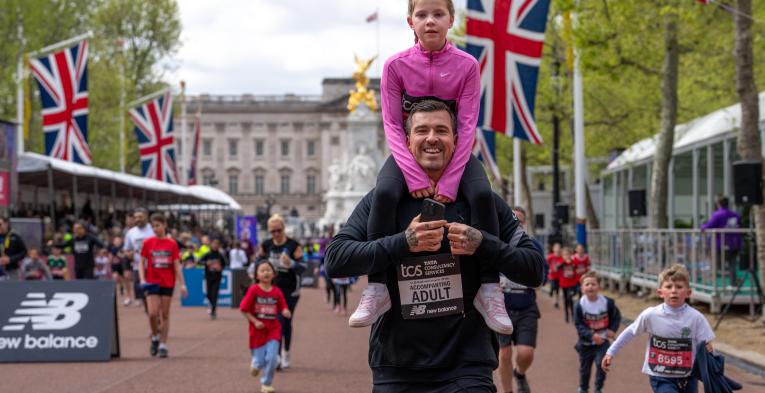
[{"x": 272, "y": 150}]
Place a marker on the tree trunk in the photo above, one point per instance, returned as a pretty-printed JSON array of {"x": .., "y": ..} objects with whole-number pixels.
[
  {"x": 526, "y": 193},
  {"x": 749, "y": 143},
  {"x": 660, "y": 175}
]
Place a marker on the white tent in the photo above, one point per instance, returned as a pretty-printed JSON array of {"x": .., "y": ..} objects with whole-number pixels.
[{"x": 46, "y": 172}]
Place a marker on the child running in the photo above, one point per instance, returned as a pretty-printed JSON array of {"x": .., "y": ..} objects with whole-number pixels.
[
  {"x": 675, "y": 329},
  {"x": 432, "y": 69},
  {"x": 160, "y": 267},
  {"x": 581, "y": 265},
  {"x": 553, "y": 275},
  {"x": 260, "y": 306},
  {"x": 568, "y": 283},
  {"x": 597, "y": 319}
]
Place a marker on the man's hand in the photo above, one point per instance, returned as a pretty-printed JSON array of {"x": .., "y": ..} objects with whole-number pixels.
[
  {"x": 425, "y": 236},
  {"x": 606, "y": 363},
  {"x": 597, "y": 339},
  {"x": 463, "y": 239}
]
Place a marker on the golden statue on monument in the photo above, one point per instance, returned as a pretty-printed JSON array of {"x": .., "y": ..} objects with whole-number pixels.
[{"x": 362, "y": 94}]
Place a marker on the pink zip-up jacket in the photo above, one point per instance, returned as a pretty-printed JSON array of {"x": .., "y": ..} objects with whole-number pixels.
[{"x": 450, "y": 75}]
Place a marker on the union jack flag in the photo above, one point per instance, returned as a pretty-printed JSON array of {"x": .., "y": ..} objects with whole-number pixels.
[
  {"x": 484, "y": 149},
  {"x": 506, "y": 37},
  {"x": 156, "y": 144},
  {"x": 63, "y": 80}
]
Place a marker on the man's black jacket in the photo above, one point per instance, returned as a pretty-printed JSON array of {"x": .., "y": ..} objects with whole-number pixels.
[
  {"x": 435, "y": 349},
  {"x": 16, "y": 250},
  {"x": 84, "y": 250}
]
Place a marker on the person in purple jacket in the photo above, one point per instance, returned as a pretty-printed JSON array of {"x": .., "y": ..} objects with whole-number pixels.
[{"x": 729, "y": 244}]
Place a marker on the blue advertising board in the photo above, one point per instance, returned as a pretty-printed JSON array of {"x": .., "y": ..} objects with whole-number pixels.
[{"x": 195, "y": 283}]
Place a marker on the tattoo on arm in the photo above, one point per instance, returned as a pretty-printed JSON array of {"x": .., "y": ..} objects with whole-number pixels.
[
  {"x": 411, "y": 238},
  {"x": 474, "y": 238}
]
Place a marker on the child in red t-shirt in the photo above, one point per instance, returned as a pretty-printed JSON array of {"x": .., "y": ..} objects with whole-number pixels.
[
  {"x": 159, "y": 268},
  {"x": 553, "y": 260},
  {"x": 260, "y": 306},
  {"x": 581, "y": 264},
  {"x": 567, "y": 272}
]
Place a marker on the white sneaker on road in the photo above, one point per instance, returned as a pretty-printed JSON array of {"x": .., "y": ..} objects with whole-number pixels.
[
  {"x": 490, "y": 302},
  {"x": 375, "y": 301},
  {"x": 285, "y": 359}
]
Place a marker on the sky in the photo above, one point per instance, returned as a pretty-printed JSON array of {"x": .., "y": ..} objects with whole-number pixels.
[{"x": 282, "y": 46}]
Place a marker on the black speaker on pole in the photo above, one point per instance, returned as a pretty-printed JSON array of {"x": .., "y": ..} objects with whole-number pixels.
[
  {"x": 637, "y": 203},
  {"x": 747, "y": 182},
  {"x": 561, "y": 210}
]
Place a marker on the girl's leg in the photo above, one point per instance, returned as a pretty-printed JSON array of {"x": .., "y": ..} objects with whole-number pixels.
[
  {"x": 128, "y": 283},
  {"x": 345, "y": 297},
  {"x": 269, "y": 350},
  {"x": 258, "y": 358},
  {"x": 153, "y": 306},
  {"x": 165, "y": 318}
]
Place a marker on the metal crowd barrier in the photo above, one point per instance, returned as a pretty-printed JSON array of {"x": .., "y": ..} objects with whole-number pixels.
[{"x": 635, "y": 257}]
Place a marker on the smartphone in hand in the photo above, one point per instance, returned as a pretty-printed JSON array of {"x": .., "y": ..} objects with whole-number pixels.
[{"x": 432, "y": 210}]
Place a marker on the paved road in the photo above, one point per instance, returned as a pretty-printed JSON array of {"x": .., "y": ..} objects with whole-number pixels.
[{"x": 212, "y": 356}]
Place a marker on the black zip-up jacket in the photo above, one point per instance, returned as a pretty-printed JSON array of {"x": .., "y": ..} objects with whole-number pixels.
[
  {"x": 436, "y": 349},
  {"x": 584, "y": 332}
]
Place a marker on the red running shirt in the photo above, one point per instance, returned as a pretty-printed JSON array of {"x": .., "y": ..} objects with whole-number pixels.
[
  {"x": 160, "y": 254},
  {"x": 265, "y": 306},
  {"x": 552, "y": 266},
  {"x": 567, "y": 271},
  {"x": 581, "y": 264}
]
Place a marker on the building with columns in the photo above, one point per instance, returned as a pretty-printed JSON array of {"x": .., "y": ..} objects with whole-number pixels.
[{"x": 271, "y": 150}]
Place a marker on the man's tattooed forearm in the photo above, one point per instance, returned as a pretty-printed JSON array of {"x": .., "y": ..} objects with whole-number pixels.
[{"x": 411, "y": 237}]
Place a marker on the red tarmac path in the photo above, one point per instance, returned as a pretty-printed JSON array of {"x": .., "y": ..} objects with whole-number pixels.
[{"x": 212, "y": 356}]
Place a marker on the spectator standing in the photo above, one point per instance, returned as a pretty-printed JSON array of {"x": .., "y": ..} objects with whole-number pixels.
[
  {"x": 33, "y": 268},
  {"x": 237, "y": 256},
  {"x": 730, "y": 244},
  {"x": 12, "y": 251}
]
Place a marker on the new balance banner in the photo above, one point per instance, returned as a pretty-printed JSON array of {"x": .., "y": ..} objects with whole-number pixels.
[{"x": 53, "y": 321}]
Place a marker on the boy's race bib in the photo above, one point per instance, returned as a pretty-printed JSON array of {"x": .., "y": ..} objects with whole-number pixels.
[
  {"x": 596, "y": 322},
  {"x": 430, "y": 286},
  {"x": 670, "y": 356}
]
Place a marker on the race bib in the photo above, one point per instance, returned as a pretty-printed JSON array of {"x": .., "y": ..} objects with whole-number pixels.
[
  {"x": 214, "y": 265},
  {"x": 161, "y": 259},
  {"x": 581, "y": 269},
  {"x": 568, "y": 271},
  {"x": 670, "y": 356},
  {"x": 596, "y": 322},
  {"x": 81, "y": 247},
  {"x": 430, "y": 286},
  {"x": 265, "y": 307}
]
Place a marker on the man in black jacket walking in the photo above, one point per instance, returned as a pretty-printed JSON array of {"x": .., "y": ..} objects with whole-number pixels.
[
  {"x": 12, "y": 251},
  {"x": 433, "y": 339},
  {"x": 84, "y": 245}
]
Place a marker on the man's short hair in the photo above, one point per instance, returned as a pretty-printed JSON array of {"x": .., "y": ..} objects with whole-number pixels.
[
  {"x": 429, "y": 106},
  {"x": 676, "y": 272},
  {"x": 723, "y": 201},
  {"x": 140, "y": 210}
]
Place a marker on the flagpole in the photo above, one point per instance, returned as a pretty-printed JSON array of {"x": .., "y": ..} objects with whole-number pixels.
[
  {"x": 580, "y": 170},
  {"x": 51, "y": 48},
  {"x": 20, "y": 104},
  {"x": 517, "y": 172},
  {"x": 148, "y": 97},
  {"x": 123, "y": 147},
  {"x": 379, "y": 60},
  {"x": 183, "y": 178}
]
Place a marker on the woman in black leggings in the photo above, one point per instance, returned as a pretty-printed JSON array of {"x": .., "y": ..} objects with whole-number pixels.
[
  {"x": 341, "y": 294},
  {"x": 286, "y": 256}
]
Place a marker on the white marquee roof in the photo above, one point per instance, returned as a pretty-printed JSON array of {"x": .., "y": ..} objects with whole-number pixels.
[
  {"x": 33, "y": 167},
  {"x": 688, "y": 135}
]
